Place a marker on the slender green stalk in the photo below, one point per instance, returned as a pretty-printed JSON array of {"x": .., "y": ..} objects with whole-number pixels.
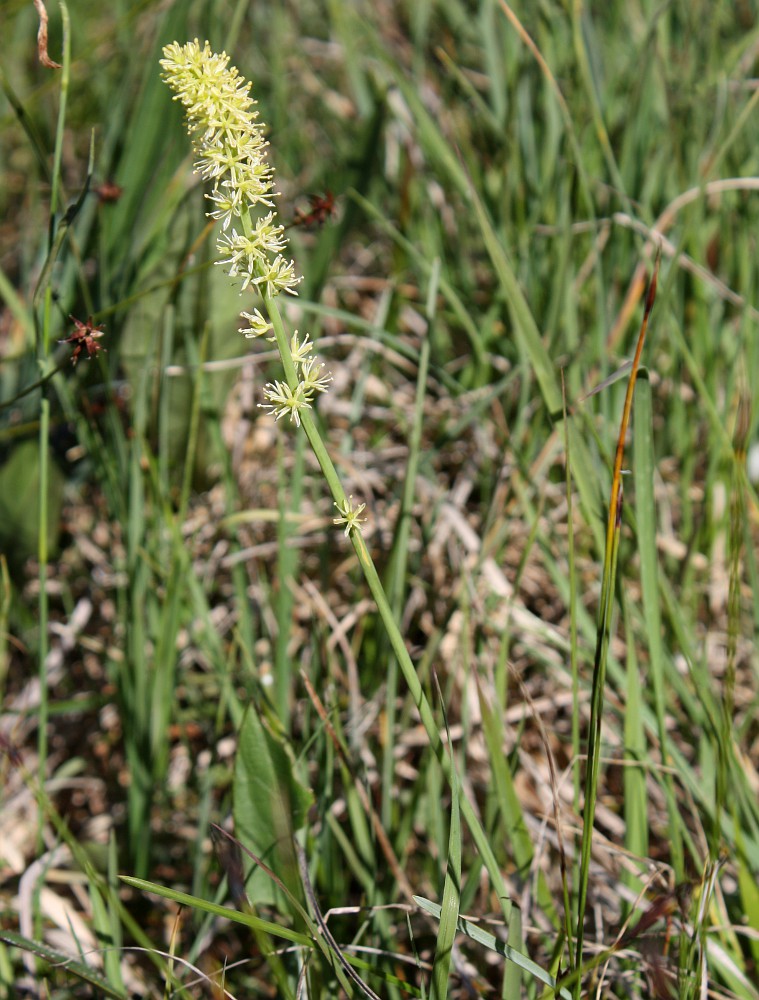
[
  {"x": 736, "y": 529},
  {"x": 645, "y": 510},
  {"x": 573, "y": 658},
  {"x": 191, "y": 449},
  {"x": 399, "y": 562},
  {"x": 39, "y": 384},
  {"x": 43, "y": 342},
  {"x": 290, "y": 495},
  {"x": 451, "y": 902},
  {"x": 42, "y": 557},
  {"x": 386, "y": 614}
]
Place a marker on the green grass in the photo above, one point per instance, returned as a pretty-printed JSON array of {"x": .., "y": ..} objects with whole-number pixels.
[{"x": 408, "y": 787}]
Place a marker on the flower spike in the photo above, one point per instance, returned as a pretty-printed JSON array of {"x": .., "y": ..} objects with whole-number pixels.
[{"x": 230, "y": 148}]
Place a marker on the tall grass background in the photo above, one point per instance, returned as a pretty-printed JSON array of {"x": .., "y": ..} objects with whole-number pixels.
[{"x": 186, "y": 640}]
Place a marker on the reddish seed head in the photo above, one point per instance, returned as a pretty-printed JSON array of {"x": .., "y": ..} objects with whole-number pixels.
[
  {"x": 321, "y": 208},
  {"x": 84, "y": 337},
  {"x": 108, "y": 191}
]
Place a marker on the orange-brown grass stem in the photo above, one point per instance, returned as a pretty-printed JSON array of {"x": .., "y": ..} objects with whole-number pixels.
[{"x": 613, "y": 530}]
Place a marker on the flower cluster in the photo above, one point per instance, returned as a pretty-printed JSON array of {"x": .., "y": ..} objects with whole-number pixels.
[
  {"x": 230, "y": 146},
  {"x": 281, "y": 399}
]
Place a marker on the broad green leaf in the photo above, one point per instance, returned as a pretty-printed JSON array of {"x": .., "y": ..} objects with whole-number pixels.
[{"x": 270, "y": 805}]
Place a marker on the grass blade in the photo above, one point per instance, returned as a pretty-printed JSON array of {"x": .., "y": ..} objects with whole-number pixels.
[
  {"x": 487, "y": 940},
  {"x": 449, "y": 911},
  {"x": 58, "y": 959},
  {"x": 613, "y": 528}
]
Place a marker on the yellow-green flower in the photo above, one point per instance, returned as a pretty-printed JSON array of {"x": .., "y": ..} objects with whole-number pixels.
[
  {"x": 349, "y": 515},
  {"x": 282, "y": 400},
  {"x": 230, "y": 148},
  {"x": 258, "y": 325},
  {"x": 311, "y": 376}
]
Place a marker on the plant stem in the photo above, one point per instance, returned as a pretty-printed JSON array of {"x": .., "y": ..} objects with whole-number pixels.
[
  {"x": 43, "y": 341},
  {"x": 613, "y": 529},
  {"x": 386, "y": 616}
]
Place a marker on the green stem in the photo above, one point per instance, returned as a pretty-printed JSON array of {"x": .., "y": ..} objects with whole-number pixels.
[
  {"x": 42, "y": 556},
  {"x": 399, "y": 556},
  {"x": 39, "y": 384},
  {"x": 594, "y": 734},
  {"x": 43, "y": 341},
  {"x": 386, "y": 615}
]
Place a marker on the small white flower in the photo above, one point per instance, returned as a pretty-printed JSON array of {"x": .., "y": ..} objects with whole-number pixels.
[
  {"x": 258, "y": 327},
  {"x": 299, "y": 350},
  {"x": 349, "y": 515},
  {"x": 276, "y": 276},
  {"x": 312, "y": 378},
  {"x": 267, "y": 237},
  {"x": 234, "y": 248},
  {"x": 228, "y": 203},
  {"x": 283, "y": 400}
]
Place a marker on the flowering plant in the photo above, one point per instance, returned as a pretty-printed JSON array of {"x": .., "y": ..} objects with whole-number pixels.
[{"x": 230, "y": 147}]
